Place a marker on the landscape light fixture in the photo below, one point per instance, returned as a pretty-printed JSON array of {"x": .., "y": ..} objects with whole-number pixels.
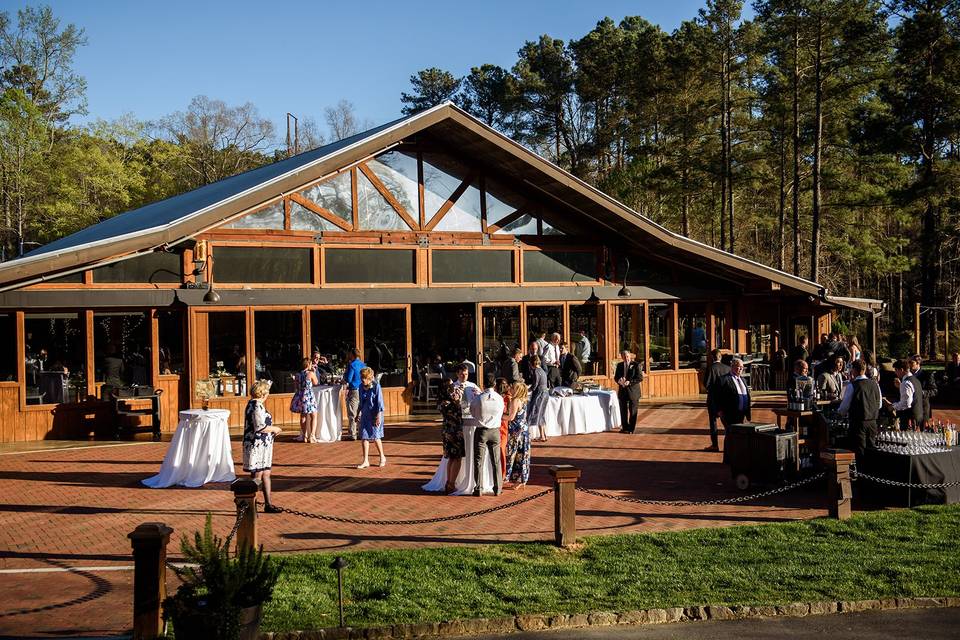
[
  {"x": 339, "y": 564},
  {"x": 624, "y": 291}
]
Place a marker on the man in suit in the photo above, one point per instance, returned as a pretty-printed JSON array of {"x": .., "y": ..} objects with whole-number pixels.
[
  {"x": 927, "y": 383},
  {"x": 861, "y": 401},
  {"x": 487, "y": 409},
  {"x": 799, "y": 352},
  {"x": 526, "y": 368},
  {"x": 511, "y": 368},
  {"x": 629, "y": 376},
  {"x": 733, "y": 397},
  {"x": 570, "y": 367},
  {"x": 909, "y": 407},
  {"x": 800, "y": 370},
  {"x": 830, "y": 383},
  {"x": 711, "y": 382},
  {"x": 951, "y": 378}
]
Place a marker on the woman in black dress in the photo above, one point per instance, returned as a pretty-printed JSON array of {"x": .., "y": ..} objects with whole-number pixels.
[{"x": 452, "y": 433}]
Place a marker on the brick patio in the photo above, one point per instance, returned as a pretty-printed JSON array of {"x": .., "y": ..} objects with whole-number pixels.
[{"x": 74, "y": 507}]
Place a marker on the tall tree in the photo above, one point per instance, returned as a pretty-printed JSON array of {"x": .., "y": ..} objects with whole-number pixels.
[
  {"x": 25, "y": 144},
  {"x": 487, "y": 93},
  {"x": 430, "y": 87},
  {"x": 341, "y": 120}
]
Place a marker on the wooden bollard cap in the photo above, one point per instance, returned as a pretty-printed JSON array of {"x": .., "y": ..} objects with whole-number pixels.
[
  {"x": 150, "y": 532},
  {"x": 244, "y": 487},
  {"x": 837, "y": 455},
  {"x": 565, "y": 472}
]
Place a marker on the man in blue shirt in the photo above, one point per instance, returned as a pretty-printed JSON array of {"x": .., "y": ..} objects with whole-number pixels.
[{"x": 351, "y": 378}]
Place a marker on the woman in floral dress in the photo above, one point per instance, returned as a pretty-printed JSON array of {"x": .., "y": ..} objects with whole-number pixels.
[
  {"x": 258, "y": 432},
  {"x": 452, "y": 431},
  {"x": 305, "y": 403},
  {"x": 518, "y": 442}
]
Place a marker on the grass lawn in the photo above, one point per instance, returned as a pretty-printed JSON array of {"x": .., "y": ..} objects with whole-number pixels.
[{"x": 874, "y": 555}]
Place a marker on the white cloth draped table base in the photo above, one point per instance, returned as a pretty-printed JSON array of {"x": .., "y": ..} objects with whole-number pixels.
[
  {"x": 592, "y": 412},
  {"x": 329, "y": 412},
  {"x": 465, "y": 479},
  {"x": 199, "y": 451}
]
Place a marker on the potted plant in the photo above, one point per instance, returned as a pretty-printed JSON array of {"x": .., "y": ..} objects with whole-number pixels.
[{"x": 221, "y": 597}]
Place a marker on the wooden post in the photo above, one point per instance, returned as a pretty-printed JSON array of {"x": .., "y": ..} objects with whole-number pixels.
[
  {"x": 149, "y": 541},
  {"x": 839, "y": 492},
  {"x": 916, "y": 328},
  {"x": 565, "y": 478},
  {"x": 245, "y": 492}
]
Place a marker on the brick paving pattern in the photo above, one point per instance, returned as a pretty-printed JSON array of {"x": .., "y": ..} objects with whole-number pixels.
[{"x": 75, "y": 507}]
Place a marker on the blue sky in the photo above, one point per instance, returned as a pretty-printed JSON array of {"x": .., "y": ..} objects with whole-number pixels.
[{"x": 151, "y": 58}]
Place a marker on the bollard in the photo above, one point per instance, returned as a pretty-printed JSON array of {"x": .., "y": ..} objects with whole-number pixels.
[
  {"x": 839, "y": 491},
  {"x": 245, "y": 492},
  {"x": 149, "y": 541},
  {"x": 565, "y": 503}
]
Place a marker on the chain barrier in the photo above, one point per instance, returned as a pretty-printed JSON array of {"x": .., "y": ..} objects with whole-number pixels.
[
  {"x": 693, "y": 503},
  {"x": 459, "y": 516},
  {"x": 241, "y": 511},
  {"x": 856, "y": 475}
]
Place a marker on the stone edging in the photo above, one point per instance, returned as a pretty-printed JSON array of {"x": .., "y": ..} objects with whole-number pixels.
[{"x": 602, "y": 618}]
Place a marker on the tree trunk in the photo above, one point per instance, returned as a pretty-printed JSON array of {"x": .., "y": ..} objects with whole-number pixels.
[
  {"x": 817, "y": 152},
  {"x": 782, "y": 205},
  {"x": 796, "y": 143},
  {"x": 723, "y": 154}
]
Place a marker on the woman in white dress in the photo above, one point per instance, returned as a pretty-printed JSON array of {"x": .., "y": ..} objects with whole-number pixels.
[{"x": 258, "y": 432}]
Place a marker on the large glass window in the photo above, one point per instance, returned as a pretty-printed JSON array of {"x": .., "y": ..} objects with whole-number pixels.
[
  {"x": 170, "y": 338},
  {"x": 334, "y": 195},
  {"x": 374, "y": 212},
  {"x": 630, "y": 331},
  {"x": 8, "y": 347},
  {"x": 262, "y": 264},
  {"x": 55, "y": 357},
  {"x": 121, "y": 348},
  {"x": 398, "y": 173},
  {"x": 721, "y": 337},
  {"x": 270, "y": 217},
  {"x": 385, "y": 345},
  {"x": 759, "y": 339},
  {"x": 278, "y": 342},
  {"x": 692, "y": 325},
  {"x": 444, "y": 334},
  {"x": 544, "y": 320},
  {"x": 303, "y": 219},
  {"x": 471, "y": 265},
  {"x": 370, "y": 265},
  {"x": 559, "y": 266},
  {"x": 333, "y": 332},
  {"x": 501, "y": 202},
  {"x": 661, "y": 344},
  {"x": 587, "y": 337},
  {"x": 524, "y": 225},
  {"x": 227, "y": 335},
  {"x": 158, "y": 266},
  {"x": 501, "y": 334},
  {"x": 442, "y": 176}
]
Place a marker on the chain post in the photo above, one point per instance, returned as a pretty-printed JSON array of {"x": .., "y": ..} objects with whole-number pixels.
[
  {"x": 565, "y": 478},
  {"x": 839, "y": 491},
  {"x": 149, "y": 541},
  {"x": 245, "y": 497}
]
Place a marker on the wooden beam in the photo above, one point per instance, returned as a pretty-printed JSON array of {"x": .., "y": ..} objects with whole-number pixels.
[
  {"x": 353, "y": 199},
  {"x": 421, "y": 199},
  {"x": 459, "y": 191},
  {"x": 513, "y": 217},
  {"x": 326, "y": 214},
  {"x": 379, "y": 186}
]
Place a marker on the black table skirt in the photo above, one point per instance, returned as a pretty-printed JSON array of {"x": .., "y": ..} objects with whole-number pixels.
[{"x": 930, "y": 468}]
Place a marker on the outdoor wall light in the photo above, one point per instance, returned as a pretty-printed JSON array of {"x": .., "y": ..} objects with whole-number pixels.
[
  {"x": 624, "y": 291},
  {"x": 594, "y": 298},
  {"x": 211, "y": 296}
]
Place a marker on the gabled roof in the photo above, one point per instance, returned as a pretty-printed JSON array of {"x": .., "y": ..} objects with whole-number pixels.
[{"x": 176, "y": 219}]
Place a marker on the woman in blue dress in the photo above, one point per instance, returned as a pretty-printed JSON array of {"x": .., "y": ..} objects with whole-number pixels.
[
  {"x": 305, "y": 403},
  {"x": 371, "y": 416},
  {"x": 258, "y": 433},
  {"x": 538, "y": 398},
  {"x": 518, "y": 439}
]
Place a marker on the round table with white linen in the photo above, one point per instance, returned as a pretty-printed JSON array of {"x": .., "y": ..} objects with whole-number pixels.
[
  {"x": 329, "y": 412},
  {"x": 592, "y": 412},
  {"x": 465, "y": 479},
  {"x": 199, "y": 451}
]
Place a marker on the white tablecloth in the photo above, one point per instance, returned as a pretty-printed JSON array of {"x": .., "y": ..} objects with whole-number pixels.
[
  {"x": 199, "y": 452},
  {"x": 329, "y": 413},
  {"x": 593, "y": 412},
  {"x": 464, "y": 485}
]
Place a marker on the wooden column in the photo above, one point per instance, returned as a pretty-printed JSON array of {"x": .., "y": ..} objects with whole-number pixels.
[
  {"x": 916, "y": 328},
  {"x": 565, "y": 478},
  {"x": 245, "y": 493},
  {"x": 839, "y": 492},
  {"x": 149, "y": 542}
]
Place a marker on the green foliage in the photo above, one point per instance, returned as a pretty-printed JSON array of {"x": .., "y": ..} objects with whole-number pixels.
[
  {"x": 430, "y": 87},
  {"x": 216, "y": 587}
]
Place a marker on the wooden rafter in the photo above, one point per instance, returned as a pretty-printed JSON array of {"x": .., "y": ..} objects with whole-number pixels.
[
  {"x": 326, "y": 214},
  {"x": 459, "y": 191},
  {"x": 513, "y": 217},
  {"x": 379, "y": 186}
]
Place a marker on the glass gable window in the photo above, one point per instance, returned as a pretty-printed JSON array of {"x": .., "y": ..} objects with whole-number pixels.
[
  {"x": 471, "y": 265},
  {"x": 692, "y": 327},
  {"x": 525, "y": 225},
  {"x": 334, "y": 333},
  {"x": 270, "y": 217},
  {"x": 262, "y": 264},
  {"x": 374, "y": 212},
  {"x": 227, "y": 335},
  {"x": 465, "y": 214},
  {"x": 549, "y": 229},
  {"x": 334, "y": 195},
  {"x": 630, "y": 331},
  {"x": 661, "y": 344},
  {"x": 278, "y": 337},
  {"x": 370, "y": 265},
  {"x": 398, "y": 173},
  {"x": 55, "y": 357},
  {"x": 303, "y": 219},
  {"x": 121, "y": 348},
  {"x": 8, "y": 347},
  {"x": 501, "y": 202},
  {"x": 158, "y": 266},
  {"x": 385, "y": 345},
  {"x": 170, "y": 338},
  {"x": 559, "y": 266},
  {"x": 586, "y": 337}
]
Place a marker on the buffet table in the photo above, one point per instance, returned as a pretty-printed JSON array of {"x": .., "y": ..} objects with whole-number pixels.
[
  {"x": 199, "y": 451},
  {"x": 592, "y": 412},
  {"x": 329, "y": 412},
  {"x": 926, "y": 468}
]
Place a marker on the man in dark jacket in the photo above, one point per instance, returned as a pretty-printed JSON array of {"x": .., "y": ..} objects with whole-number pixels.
[
  {"x": 927, "y": 382},
  {"x": 861, "y": 401},
  {"x": 711, "y": 381},
  {"x": 526, "y": 366},
  {"x": 909, "y": 407},
  {"x": 570, "y": 367},
  {"x": 799, "y": 352},
  {"x": 733, "y": 397},
  {"x": 629, "y": 376}
]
